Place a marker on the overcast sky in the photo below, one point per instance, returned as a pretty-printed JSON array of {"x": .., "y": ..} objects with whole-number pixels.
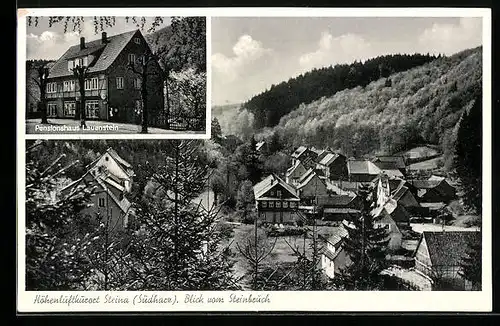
[
  {"x": 251, "y": 54},
  {"x": 44, "y": 42}
]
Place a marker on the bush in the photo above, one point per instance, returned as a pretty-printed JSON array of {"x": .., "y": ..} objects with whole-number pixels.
[{"x": 273, "y": 231}]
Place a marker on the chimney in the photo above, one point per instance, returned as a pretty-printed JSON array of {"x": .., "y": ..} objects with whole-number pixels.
[
  {"x": 82, "y": 43},
  {"x": 104, "y": 38}
]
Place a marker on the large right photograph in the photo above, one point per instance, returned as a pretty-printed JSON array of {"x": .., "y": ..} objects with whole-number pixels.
[{"x": 350, "y": 151}]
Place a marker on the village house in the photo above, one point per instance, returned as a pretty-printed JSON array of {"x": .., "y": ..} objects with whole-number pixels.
[
  {"x": 276, "y": 201},
  {"x": 362, "y": 171},
  {"x": 112, "y": 90},
  {"x": 110, "y": 177},
  {"x": 339, "y": 207},
  {"x": 398, "y": 190},
  {"x": 294, "y": 173},
  {"x": 333, "y": 255},
  {"x": 309, "y": 187},
  {"x": 388, "y": 216},
  {"x": 305, "y": 155},
  {"x": 439, "y": 254},
  {"x": 393, "y": 166},
  {"x": 333, "y": 166},
  {"x": 433, "y": 190}
]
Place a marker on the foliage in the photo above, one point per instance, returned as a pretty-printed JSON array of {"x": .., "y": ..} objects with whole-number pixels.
[
  {"x": 471, "y": 264},
  {"x": 178, "y": 245},
  {"x": 246, "y": 201},
  {"x": 468, "y": 155},
  {"x": 269, "y": 106},
  {"x": 216, "y": 131},
  {"x": 55, "y": 258},
  {"x": 366, "y": 246}
]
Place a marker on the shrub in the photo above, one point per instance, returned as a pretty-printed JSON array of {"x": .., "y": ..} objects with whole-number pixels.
[{"x": 273, "y": 231}]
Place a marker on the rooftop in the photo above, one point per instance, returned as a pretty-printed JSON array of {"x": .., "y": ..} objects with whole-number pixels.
[{"x": 448, "y": 248}]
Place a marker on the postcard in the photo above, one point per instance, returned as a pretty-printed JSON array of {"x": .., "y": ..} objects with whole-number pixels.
[{"x": 254, "y": 159}]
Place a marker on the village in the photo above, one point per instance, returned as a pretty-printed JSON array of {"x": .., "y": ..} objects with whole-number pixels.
[{"x": 312, "y": 203}]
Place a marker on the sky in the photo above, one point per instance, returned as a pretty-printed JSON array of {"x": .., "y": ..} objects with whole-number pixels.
[
  {"x": 249, "y": 54},
  {"x": 44, "y": 42}
]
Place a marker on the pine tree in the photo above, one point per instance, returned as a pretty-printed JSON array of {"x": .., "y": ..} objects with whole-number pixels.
[
  {"x": 468, "y": 155},
  {"x": 471, "y": 264},
  {"x": 178, "y": 246},
  {"x": 366, "y": 246},
  {"x": 216, "y": 131},
  {"x": 55, "y": 257},
  {"x": 246, "y": 201}
]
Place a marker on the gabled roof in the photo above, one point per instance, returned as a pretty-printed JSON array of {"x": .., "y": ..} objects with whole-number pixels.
[
  {"x": 107, "y": 53},
  {"x": 397, "y": 212},
  {"x": 336, "y": 200},
  {"x": 339, "y": 233},
  {"x": 393, "y": 173},
  {"x": 307, "y": 177},
  {"x": 447, "y": 248},
  {"x": 329, "y": 159},
  {"x": 299, "y": 151},
  {"x": 424, "y": 184},
  {"x": 362, "y": 167},
  {"x": 268, "y": 183},
  {"x": 397, "y": 162},
  {"x": 291, "y": 169},
  {"x": 118, "y": 158}
]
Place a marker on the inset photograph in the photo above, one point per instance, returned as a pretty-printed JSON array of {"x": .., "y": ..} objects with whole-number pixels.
[{"x": 116, "y": 75}]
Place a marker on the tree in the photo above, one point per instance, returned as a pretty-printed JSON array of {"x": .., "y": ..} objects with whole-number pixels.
[
  {"x": 80, "y": 72},
  {"x": 246, "y": 201},
  {"x": 55, "y": 257},
  {"x": 366, "y": 246},
  {"x": 145, "y": 68},
  {"x": 43, "y": 75},
  {"x": 178, "y": 245},
  {"x": 471, "y": 264},
  {"x": 468, "y": 155},
  {"x": 216, "y": 131}
]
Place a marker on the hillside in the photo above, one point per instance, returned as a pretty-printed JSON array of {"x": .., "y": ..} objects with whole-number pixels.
[
  {"x": 269, "y": 106},
  {"x": 421, "y": 105},
  {"x": 159, "y": 37}
]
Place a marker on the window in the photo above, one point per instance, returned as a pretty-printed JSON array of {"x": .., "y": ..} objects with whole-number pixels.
[
  {"x": 137, "y": 40},
  {"x": 278, "y": 193},
  {"x": 51, "y": 87},
  {"x": 52, "y": 109},
  {"x": 293, "y": 205},
  {"x": 278, "y": 204},
  {"x": 85, "y": 61},
  {"x": 137, "y": 83},
  {"x": 271, "y": 193},
  {"x": 92, "y": 108},
  {"x": 285, "y": 204},
  {"x": 119, "y": 82},
  {"x": 78, "y": 62},
  {"x": 70, "y": 65},
  {"x": 264, "y": 204},
  {"x": 92, "y": 84},
  {"x": 101, "y": 202},
  {"x": 271, "y": 204},
  {"x": 131, "y": 58},
  {"x": 69, "y": 109},
  {"x": 69, "y": 86}
]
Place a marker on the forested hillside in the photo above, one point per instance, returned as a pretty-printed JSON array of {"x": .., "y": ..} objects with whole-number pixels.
[
  {"x": 423, "y": 104},
  {"x": 269, "y": 106}
]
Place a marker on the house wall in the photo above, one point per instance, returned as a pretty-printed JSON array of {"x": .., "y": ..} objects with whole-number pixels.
[
  {"x": 331, "y": 268},
  {"x": 327, "y": 266},
  {"x": 278, "y": 216},
  {"x": 293, "y": 177},
  {"x": 422, "y": 259},
  {"x": 114, "y": 168},
  {"x": 338, "y": 169},
  {"x": 395, "y": 235},
  {"x": 315, "y": 187},
  {"x": 60, "y": 96},
  {"x": 124, "y": 100},
  {"x": 110, "y": 211}
]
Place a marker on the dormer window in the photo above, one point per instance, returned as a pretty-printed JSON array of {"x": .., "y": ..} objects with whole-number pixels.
[
  {"x": 70, "y": 65},
  {"x": 137, "y": 40}
]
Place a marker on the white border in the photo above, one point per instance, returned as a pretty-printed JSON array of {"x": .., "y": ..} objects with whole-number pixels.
[
  {"x": 21, "y": 82},
  {"x": 480, "y": 301}
]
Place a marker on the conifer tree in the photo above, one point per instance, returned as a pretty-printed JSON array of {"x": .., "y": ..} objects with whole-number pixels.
[
  {"x": 55, "y": 258},
  {"x": 178, "y": 246},
  {"x": 366, "y": 246},
  {"x": 471, "y": 264},
  {"x": 468, "y": 155}
]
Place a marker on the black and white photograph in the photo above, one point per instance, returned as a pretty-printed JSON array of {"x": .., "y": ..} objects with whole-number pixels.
[
  {"x": 132, "y": 75},
  {"x": 357, "y": 145},
  {"x": 344, "y": 165}
]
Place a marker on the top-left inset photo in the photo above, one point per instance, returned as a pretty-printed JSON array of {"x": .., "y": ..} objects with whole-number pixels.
[{"x": 114, "y": 75}]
